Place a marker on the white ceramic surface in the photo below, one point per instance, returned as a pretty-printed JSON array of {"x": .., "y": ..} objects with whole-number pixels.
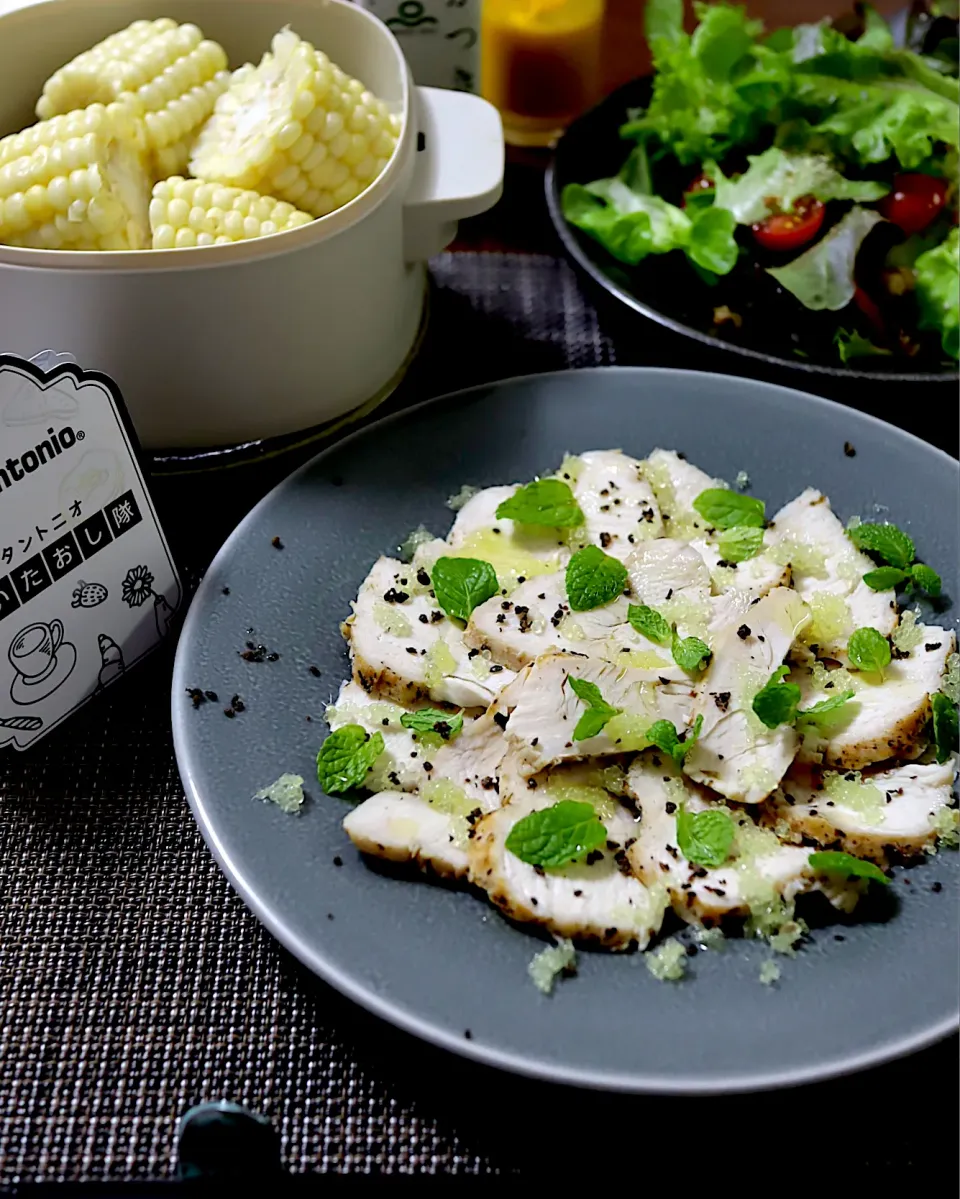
[{"x": 230, "y": 343}]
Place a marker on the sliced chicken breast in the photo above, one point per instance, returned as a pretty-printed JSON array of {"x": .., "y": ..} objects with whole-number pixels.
[
  {"x": 405, "y": 828},
  {"x": 537, "y": 619},
  {"x": 406, "y": 649},
  {"x": 544, "y": 710},
  {"x": 756, "y": 575},
  {"x": 826, "y": 563},
  {"x": 676, "y": 483},
  {"x": 883, "y": 720},
  {"x": 479, "y": 760},
  {"x": 515, "y": 551},
  {"x": 400, "y": 766},
  {"x": 875, "y": 815},
  {"x": 759, "y": 870},
  {"x": 618, "y": 504},
  {"x": 597, "y": 900},
  {"x": 673, "y": 578},
  {"x": 736, "y": 754}
]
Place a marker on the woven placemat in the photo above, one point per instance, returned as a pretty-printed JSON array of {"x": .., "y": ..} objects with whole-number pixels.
[{"x": 134, "y": 983}]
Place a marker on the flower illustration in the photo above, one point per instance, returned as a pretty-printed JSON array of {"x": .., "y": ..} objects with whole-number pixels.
[{"x": 137, "y": 587}]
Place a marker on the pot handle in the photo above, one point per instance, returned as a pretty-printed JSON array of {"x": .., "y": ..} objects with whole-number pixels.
[{"x": 458, "y": 169}]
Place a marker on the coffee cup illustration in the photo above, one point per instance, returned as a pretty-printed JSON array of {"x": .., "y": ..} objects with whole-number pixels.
[{"x": 41, "y": 660}]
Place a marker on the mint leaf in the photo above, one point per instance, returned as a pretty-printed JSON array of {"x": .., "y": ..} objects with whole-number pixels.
[
  {"x": 547, "y": 502},
  {"x": 431, "y": 720},
  {"x": 846, "y": 865},
  {"x": 776, "y": 702},
  {"x": 690, "y": 653},
  {"x": 462, "y": 584},
  {"x": 704, "y": 838},
  {"x": 649, "y": 622},
  {"x": 593, "y": 579},
  {"x": 946, "y": 726},
  {"x": 345, "y": 757},
  {"x": 926, "y": 578},
  {"x": 598, "y": 710},
  {"x": 885, "y": 577},
  {"x": 726, "y": 509},
  {"x": 868, "y": 650},
  {"x": 886, "y": 541},
  {"x": 740, "y": 543},
  {"x": 556, "y": 835},
  {"x": 664, "y": 736},
  {"x": 825, "y": 706}
]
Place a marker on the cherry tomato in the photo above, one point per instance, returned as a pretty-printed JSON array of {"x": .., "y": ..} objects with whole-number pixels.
[
  {"x": 868, "y": 308},
  {"x": 915, "y": 201},
  {"x": 790, "y": 230},
  {"x": 702, "y": 183}
]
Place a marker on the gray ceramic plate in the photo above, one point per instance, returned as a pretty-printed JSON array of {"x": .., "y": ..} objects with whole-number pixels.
[{"x": 439, "y": 962}]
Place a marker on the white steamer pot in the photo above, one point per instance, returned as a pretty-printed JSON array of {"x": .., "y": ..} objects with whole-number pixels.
[{"x": 223, "y": 344}]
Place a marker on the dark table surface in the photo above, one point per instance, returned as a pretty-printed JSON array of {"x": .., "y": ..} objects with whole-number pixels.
[{"x": 133, "y": 983}]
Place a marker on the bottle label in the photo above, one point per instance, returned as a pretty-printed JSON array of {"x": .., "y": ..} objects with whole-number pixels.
[{"x": 87, "y": 582}]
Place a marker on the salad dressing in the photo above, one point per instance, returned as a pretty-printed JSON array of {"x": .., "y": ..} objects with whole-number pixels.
[{"x": 540, "y": 64}]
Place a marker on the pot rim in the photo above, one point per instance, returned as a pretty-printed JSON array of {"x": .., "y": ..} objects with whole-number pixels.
[{"x": 199, "y": 257}]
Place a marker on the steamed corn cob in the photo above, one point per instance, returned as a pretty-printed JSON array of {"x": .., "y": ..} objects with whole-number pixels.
[
  {"x": 298, "y": 128},
  {"x": 76, "y": 182},
  {"x": 190, "y": 212},
  {"x": 167, "y": 71}
]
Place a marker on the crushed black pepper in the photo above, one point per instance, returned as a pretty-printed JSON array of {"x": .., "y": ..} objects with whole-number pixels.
[
  {"x": 722, "y": 700},
  {"x": 225, "y": 591},
  {"x": 501, "y": 719},
  {"x": 393, "y": 596},
  {"x": 315, "y": 671},
  {"x": 423, "y": 578},
  {"x": 276, "y": 543},
  {"x": 743, "y": 632},
  {"x": 849, "y": 450},
  {"x": 196, "y": 695}
]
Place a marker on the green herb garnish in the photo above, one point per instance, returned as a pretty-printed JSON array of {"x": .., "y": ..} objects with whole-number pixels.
[
  {"x": 896, "y": 548},
  {"x": 886, "y": 541},
  {"x": 926, "y": 578},
  {"x": 727, "y": 509},
  {"x": 690, "y": 653},
  {"x": 598, "y": 710},
  {"x": 547, "y": 502},
  {"x": 946, "y": 725},
  {"x": 664, "y": 736},
  {"x": 431, "y": 720},
  {"x": 740, "y": 543},
  {"x": 885, "y": 577},
  {"x": 649, "y": 622},
  {"x": 557, "y": 835},
  {"x": 869, "y": 650},
  {"x": 846, "y": 865},
  {"x": 593, "y": 579},
  {"x": 345, "y": 757},
  {"x": 777, "y": 702},
  {"x": 462, "y": 584},
  {"x": 825, "y": 706},
  {"x": 704, "y": 837}
]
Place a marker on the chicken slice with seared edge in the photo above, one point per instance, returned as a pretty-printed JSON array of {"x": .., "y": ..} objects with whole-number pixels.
[
  {"x": 400, "y": 827},
  {"x": 760, "y": 868},
  {"x": 898, "y": 811},
  {"x": 594, "y": 900},
  {"x": 736, "y": 754},
  {"x": 885, "y": 718},
  {"x": 406, "y": 649}
]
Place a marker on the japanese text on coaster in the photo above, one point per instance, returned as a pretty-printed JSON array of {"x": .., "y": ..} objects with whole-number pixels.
[{"x": 87, "y": 583}]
